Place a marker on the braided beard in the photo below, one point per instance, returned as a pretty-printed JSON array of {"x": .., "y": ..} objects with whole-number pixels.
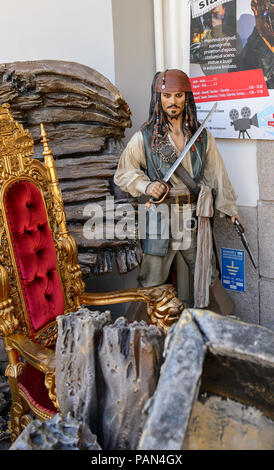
[{"x": 174, "y": 117}]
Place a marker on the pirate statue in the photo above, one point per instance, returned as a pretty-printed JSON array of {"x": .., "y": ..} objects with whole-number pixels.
[{"x": 199, "y": 183}]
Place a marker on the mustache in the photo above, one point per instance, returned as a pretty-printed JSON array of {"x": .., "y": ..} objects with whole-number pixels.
[{"x": 173, "y": 106}]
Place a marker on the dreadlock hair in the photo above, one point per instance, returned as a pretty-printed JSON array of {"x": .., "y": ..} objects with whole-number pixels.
[{"x": 158, "y": 121}]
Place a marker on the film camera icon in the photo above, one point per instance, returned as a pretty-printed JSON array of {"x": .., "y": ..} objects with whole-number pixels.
[{"x": 244, "y": 123}]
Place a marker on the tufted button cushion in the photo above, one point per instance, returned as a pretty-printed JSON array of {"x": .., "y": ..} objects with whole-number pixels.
[{"x": 35, "y": 253}]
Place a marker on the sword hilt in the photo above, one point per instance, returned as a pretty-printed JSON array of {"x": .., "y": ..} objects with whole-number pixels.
[
  {"x": 152, "y": 200},
  {"x": 239, "y": 226}
]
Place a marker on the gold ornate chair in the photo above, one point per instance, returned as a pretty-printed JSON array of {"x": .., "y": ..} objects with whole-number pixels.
[{"x": 40, "y": 277}]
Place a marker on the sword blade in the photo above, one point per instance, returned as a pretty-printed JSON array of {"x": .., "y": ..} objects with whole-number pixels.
[{"x": 189, "y": 145}]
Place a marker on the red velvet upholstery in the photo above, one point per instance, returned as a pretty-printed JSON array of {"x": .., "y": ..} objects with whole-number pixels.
[
  {"x": 31, "y": 381},
  {"x": 34, "y": 252}
]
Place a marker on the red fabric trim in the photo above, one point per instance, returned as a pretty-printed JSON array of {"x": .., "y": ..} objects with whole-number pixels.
[
  {"x": 31, "y": 381},
  {"x": 34, "y": 403}
]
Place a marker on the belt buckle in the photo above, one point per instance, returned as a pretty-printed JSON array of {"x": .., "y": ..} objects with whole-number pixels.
[{"x": 183, "y": 199}]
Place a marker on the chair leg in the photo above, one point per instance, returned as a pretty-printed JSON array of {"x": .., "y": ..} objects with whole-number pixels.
[
  {"x": 19, "y": 408},
  {"x": 19, "y": 417}
]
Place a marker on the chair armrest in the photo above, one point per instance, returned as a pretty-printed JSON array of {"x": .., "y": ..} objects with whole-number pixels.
[
  {"x": 163, "y": 307},
  {"x": 35, "y": 354},
  {"x": 115, "y": 297}
]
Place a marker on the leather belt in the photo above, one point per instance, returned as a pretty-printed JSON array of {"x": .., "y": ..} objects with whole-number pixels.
[{"x": 187, "y": 198}]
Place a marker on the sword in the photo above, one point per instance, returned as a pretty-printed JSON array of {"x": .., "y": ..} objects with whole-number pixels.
[
  {"x": 240, "y": 231},
  {"x": 175, "y": 165}
]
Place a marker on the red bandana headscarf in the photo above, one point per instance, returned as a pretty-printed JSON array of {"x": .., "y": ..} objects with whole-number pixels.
[{"x": 172, "y": 81}]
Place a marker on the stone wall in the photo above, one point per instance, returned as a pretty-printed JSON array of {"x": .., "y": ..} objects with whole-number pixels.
[
  {"x": 247, "y": 302},
  {"x": 265, "y": 165},
  {"x": 256, "y": 304}
]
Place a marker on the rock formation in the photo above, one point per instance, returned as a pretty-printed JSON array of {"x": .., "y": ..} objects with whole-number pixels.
[
  {"x": 5, "y": 403},
  {"x": 209, "y": 386},
  {"x": 85, "y": 118},
  {"x": 208, "y": 357},
  {"x": 76, "y": 369},
  {"x": 58, "y": 433},
  {"x": 106, "y": 372},
  {"x": 130, "y": 357}
]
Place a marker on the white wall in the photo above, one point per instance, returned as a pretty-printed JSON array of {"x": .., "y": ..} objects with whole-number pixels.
[
  {"x": 134, "y": 52},
  {"x": 241, "y": 163},
  {"x": 79, "y": 31}
]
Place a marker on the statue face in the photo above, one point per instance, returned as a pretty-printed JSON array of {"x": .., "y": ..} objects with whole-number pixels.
[
  {"x": 264, "y": 16},
  {"x": 173, "y": 103}
]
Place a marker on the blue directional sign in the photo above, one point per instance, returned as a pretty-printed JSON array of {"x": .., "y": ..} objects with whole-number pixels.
[{"x": 233, "y": 269}]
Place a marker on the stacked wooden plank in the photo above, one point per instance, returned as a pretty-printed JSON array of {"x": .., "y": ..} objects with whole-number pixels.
[{"x": 85, "y": 117}]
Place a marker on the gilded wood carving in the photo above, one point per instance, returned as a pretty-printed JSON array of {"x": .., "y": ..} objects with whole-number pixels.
[{"x": 16, "y": 148}]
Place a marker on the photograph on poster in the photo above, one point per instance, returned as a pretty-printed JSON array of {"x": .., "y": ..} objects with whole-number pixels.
[{"x": 231, "y": 62}]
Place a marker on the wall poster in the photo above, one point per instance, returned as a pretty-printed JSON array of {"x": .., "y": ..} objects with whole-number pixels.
[{"x": 232, "y": 62}]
